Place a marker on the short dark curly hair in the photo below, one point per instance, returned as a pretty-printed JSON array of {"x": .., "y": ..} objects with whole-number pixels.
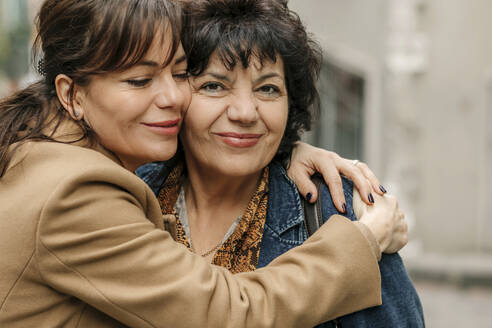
[{"x": 265, "y": 29}]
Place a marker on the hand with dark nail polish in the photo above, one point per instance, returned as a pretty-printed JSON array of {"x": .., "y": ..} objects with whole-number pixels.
[{"x": 371, "y": 198}]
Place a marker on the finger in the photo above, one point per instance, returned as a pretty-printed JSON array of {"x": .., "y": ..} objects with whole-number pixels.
[
  {"x": 399, "y": 241},
  {"x": 334, "y": 182},
  {"x": 352, "y": 172},
  {"x": 392, "y": 199},
  {"x": 302, "y": 178},
  {"x": 369, "y": 175}
]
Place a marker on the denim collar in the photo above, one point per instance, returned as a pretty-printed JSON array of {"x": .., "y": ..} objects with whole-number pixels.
[{"x": 284, "y": 202}]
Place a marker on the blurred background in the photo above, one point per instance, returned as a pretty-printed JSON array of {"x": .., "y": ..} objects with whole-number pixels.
[{"x": 406, "y": 86}]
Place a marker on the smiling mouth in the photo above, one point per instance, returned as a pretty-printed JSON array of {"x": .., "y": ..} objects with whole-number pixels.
[
  {"x": 164, "y": 124},
  {"x": 239, "y": 140},
  {"x": 167, "y": 128}
]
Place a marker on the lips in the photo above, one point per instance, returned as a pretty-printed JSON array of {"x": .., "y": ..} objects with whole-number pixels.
[
  {"x": 167, "y": 128},
  {"x": 239, "y": 140}
]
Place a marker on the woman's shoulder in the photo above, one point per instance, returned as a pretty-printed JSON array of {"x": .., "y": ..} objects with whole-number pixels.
[
  {"x": 326, "y": 200},
  {"x": 154, "y": 174},
  {"x": 60, "y": 174},
  {"x": 284, "y": 195},
  {"x": 61, "y": 152},
  {"x": 46, "y": 164}
]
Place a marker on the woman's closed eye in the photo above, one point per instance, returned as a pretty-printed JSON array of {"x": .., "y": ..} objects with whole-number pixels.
[
  {"x": 182, "y": 76},
  {"x": 139, "y": 83}
]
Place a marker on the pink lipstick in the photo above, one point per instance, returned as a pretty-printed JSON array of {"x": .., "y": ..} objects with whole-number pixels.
[
  {"x": 167, "y": 128},
  {"x": 239, "y": 140}
]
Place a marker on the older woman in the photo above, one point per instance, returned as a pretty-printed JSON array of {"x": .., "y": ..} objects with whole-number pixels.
[
  {"x": 82, "y": 238},
  {"x": 254, "y": 71}
]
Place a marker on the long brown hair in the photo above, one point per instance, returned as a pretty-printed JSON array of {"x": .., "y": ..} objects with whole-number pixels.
[{"x": 80, "y": 38}]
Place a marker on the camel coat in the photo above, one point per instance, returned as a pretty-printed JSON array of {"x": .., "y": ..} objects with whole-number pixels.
[{"x": 82, "y": 245}]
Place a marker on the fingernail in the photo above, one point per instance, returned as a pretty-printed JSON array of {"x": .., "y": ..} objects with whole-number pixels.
[
  {"x": 382, "y": 189},
  {"x": 309, "y": 196},
  {"x": 344, "y": 206},
  {"x": 371, "y": 199}
]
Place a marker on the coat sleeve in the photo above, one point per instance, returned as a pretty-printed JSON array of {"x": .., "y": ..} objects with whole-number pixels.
[{"x": 94, "y": 242}]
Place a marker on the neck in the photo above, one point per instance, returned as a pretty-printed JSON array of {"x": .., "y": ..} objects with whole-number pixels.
[
  {"x": 213, "y": 202},
  {"x": 209, "y": 192}
]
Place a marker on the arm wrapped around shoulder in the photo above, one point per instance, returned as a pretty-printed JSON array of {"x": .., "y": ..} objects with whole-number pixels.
[
  {"x": 333, "y": 273},
  {"x": 96, "y": 243},
  {"x": 385, "y": 220}
]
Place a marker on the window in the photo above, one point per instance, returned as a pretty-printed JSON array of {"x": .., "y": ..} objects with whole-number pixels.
[{"x": 340, "y": 125}]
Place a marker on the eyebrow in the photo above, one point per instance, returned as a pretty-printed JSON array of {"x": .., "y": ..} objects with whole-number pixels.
[
  {"x": 155, "y": 64},
  {"x": 267, "y": 76},
  {"x": 147, "y": 63},
  {"x": 180, "y": 59},
  {"x": 258, "y": 80},
  {"x": 218, "y": 76}
]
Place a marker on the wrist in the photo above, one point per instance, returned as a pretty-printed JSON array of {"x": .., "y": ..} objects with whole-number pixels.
[{"x": 371, "y": 239}]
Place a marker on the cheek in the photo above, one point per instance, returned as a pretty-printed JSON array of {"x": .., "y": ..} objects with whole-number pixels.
[
  {"x": 276, "y": 120},
  {"x": 185, "y": 90},
  {"x": 111, "y": 120},
  {"x": 190, "y": 122},
  {"x": 201, "y": 115}
]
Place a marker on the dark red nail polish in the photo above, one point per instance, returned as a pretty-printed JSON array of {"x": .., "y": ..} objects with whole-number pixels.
[
  {"x": 371, "y": 199},
  {"x": 382, "y": 189},
  {"x": 344, "y": 206},
  {"x": 309, "y": 196}
]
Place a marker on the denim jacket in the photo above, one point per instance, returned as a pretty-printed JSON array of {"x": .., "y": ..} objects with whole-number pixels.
[{"x": 284, "y": 229}]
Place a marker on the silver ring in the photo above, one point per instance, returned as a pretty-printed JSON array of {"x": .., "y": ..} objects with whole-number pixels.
[{"x": 355, "y": 162}]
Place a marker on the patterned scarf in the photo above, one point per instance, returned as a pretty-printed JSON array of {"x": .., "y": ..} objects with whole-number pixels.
[{"x": 240, "y": 252}]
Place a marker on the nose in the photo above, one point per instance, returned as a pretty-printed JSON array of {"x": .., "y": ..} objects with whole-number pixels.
[
  {"x": 243, "y": 109},
  {"x": 170, "y": 95}
]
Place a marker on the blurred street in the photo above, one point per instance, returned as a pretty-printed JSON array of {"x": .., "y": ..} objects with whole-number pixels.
[
  {"x": 446, "y": 305},
  {"x": 455, "y": 290}
]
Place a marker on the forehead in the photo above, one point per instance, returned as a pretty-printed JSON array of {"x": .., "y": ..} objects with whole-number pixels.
[
  {"x": 161, "y": 55},
  {"x": 163, "y": 49},
  {"x": 254, "y": 64}
]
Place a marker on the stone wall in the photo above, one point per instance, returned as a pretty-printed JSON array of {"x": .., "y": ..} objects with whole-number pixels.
[{"x": 430, "y": 114}]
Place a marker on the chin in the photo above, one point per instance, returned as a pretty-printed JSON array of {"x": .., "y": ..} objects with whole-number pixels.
[
  {"x": 163, "y": 154},
  {"x": 233, "y": 169}
]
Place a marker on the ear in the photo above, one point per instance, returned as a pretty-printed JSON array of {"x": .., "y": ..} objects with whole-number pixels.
[{"x": 69, "y": 96}]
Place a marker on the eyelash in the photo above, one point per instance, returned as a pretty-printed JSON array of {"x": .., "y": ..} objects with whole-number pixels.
[
  {"x": 182, "y": 76},
  {"x": 139, "y": 83},
  {"x": 269, "y": 86},
  {"x": 215, "y": 84},
  {"x": 272, "y": 89}
]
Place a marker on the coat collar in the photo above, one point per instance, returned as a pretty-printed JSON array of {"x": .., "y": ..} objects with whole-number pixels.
[{"x": 70, "y": 132}]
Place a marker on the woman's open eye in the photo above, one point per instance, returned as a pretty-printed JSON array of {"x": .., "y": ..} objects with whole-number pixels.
[
  {"x": 139, "y": 83},
  {"x": 269, "y": 90},
  {"x": 212, "y": 87}
]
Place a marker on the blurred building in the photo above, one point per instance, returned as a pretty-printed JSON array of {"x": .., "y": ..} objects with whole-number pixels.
[
  {"x": 16, "y": 32},
  {"x": 410, "y": 84}
]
